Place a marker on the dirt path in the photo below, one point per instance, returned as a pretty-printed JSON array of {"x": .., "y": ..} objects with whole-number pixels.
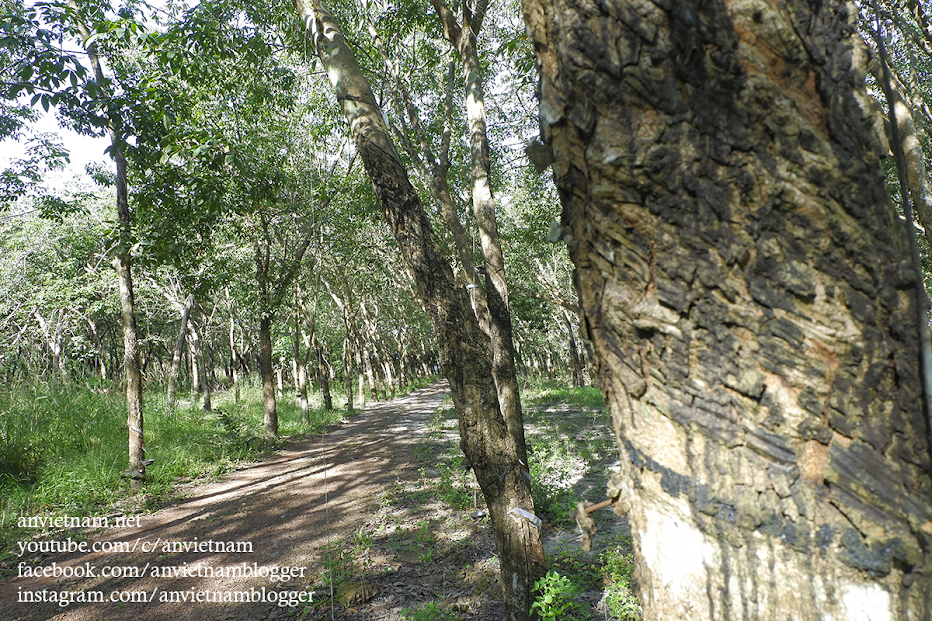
[{"x": 292, "y": 509}]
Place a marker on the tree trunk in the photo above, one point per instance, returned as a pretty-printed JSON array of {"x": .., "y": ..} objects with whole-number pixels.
[
  {"x": 176, "y": 355},
  {"x": 574, "y": 351},
  {"x": 197, "y": 355},
  {"x": 234, "y": 359},
  {"x": 101, "y": 349},
  {"x": 917, "y": 179},
  {"x": 122, "y": 263},
  {"x": 348, "y": 371},
  {"x": 193, "y": 364},
  {"x": 463, "y": 39},
  {"x": 131, "y": 367},
  {"x": 268, "y": 376},
  {"x": 748, "y": 293},
  {"x": 486, "y": 440},
  {"x": 370, "y": 372},
  {"x": 300, "y": 369},
  {"x": 323, "y": 371},
  {"x": 210, "y": 363},
  {"x": 360, "y": 378},
  {"x": 54, "y": 340}
]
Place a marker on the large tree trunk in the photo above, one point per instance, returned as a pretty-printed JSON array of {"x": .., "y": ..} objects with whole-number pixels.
[
  {"x": 485, "y": 438},
  {"x": 750, "y": 298}
]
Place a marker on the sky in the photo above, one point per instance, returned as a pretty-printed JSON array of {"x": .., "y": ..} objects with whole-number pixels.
[{"x": 83, "y": 149}]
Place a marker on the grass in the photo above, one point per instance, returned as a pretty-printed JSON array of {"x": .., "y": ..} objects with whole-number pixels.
[
  {"x": 618, "y": 566},
  {"x": 541, "y": 393},
  {"x": 570, "y": 447},
  {"x": 62, "y": 451},
  {"x": 63, "y": 448}
]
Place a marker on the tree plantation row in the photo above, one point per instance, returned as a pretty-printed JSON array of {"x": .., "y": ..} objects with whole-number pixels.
[
  {"x": 357, "y": 191},
  {"x": 349, "y": 315}
]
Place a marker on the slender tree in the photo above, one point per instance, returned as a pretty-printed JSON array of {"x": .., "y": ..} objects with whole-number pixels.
[
  {"x": 122, "y": 261},
  {"x": 485, "y": 437}
]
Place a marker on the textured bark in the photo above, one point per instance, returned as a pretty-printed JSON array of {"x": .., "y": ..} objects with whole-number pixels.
[
  {"x": 749, "y": 295},
  {"x": 485, "y": 437},
  {"x": 176, "y": 355}
]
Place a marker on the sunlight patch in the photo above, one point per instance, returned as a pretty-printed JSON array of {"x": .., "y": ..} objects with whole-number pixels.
[
  {"x": 866, "y": 602},
  {"x": 675, "y": 552}
]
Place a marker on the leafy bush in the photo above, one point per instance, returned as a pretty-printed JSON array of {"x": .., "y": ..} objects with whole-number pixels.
[
  {"x": 449, "y": 492},
  {"x": 557, "y": 598}
]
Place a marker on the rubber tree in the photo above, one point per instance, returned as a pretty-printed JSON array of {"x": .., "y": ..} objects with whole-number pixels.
[
  {"x": 751, "y": 303},
  {"x": 122, "y": 261},
  {"x": 484, "y": 435},
  {"x": 54, "y": 77},
  {"x": 176, "y": 354},
  {"x": 462, "y": 32}
]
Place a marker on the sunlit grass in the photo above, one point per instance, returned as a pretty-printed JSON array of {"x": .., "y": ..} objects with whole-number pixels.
[
  {"x": 63, "y": 449},
  {"x": 540, "y": 393}
]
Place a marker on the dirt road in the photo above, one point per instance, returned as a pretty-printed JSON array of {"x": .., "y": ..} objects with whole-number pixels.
[{"x": 256, "y": 535}]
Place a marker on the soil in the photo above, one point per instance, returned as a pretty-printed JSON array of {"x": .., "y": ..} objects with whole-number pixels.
[{"x": 347, "y": 507}]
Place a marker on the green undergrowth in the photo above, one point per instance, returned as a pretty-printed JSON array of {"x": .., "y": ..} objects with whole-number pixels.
[
  {"x": 541, "y": 393},
  {"x": 572, "y": 572},
  {"x": 570, "y": 446},
  {"x": 571, "y": 450},
  {"x": 63, "y": 448}
]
